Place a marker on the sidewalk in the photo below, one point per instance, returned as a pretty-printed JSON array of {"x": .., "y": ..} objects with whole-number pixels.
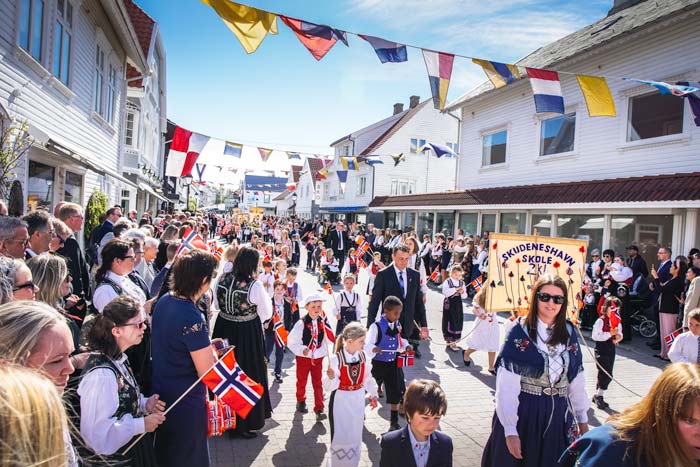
[{"x": 294, "y": 440}]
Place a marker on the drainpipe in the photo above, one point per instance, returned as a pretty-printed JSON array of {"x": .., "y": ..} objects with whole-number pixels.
[{"x": 459, "y": 131}]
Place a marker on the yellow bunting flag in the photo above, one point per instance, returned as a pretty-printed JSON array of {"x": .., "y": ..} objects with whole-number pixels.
[
  {"x": 597, "y": 94},
  {"x": 264, "y": 153},
  {"x": 350, "y": 163},
  {"x": 500, "y": 74},
  {"x": 248, "y": 24}
]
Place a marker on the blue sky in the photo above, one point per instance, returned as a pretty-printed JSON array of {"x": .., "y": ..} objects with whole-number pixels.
[{"x": 282, "y": 98}]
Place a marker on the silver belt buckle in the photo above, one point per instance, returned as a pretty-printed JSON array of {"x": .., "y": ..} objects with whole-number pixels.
[{"x": 549, "y": 391}]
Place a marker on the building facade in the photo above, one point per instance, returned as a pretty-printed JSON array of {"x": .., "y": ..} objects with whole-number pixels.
[
  {"x": 614, "y": 181},
  {"x": 62, "y": 73}
]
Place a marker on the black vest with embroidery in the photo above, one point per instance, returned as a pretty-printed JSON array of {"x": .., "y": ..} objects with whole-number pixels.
[
  {"x": 233, "y": 300},
  {"x": 307, "y": 334}
]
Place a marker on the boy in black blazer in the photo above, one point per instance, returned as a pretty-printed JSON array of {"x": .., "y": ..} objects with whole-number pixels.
[{"x": 419, "y": 444}]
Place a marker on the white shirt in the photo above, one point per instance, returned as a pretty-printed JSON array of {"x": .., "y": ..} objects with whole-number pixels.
[
  {"x": 345, "y": 298},
  {"x": 105, "y": 293},
  {"x": 448, "y": 290},
  {"x": 267, "y": 279},
  {"x": 684, "y": 348},
  {"x": 599, "y": 335},
  {"x": 332, "y": 265},
  {"x": 508, "y": 388},
  {"x": 372, "y": 334},
  {"x": 421, "y": 271},
  {"x": 370, "y": 385},
  {"x": 99, "y": 400},
  {"x": 295, "y": 344}
]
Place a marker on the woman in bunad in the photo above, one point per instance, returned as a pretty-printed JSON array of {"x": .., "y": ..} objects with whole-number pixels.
[{"x": 541, "y": 398}]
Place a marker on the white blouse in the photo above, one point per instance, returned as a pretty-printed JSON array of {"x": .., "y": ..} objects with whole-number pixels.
[
  {"x": 508, "y": 387},
  {"x": 345, "y": 298},
  {"x": 105, "y": 293},
  {"x": 599, "y": 335},
  {"x": 448, "y": 290},
  {"x": 99, "y": 400},
  {"x": 368, "y": 381}
]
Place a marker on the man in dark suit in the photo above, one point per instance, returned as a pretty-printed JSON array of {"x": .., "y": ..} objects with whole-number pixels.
[
  {"x": 72, "y": 215},
  {"x": 635, "y": 262},
  {"x": 664, "y": 273},
  {"x": 340, "y": 242},
  {"x": 419, "y": 442},
  {"x": 40, "y": 232},
  {"x": 399, "y": 280},
  {"x": 113, "y": 214}
]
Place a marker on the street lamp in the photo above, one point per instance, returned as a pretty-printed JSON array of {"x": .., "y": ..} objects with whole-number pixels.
[
  {"x": 187, "y": 181},
  {"x": 294, "y": 203}
]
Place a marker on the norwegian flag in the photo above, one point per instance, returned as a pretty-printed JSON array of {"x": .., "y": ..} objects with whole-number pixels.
[
  {"x": 327, "y": 328},
  {"x": 218, "y": 253},
  {"x": 232, "y": 386},
  {"x": 191, "y": 241},
  {"x": 435, "y": 274},
  {"x": 280, "y": 331},
  {"x": 478, "y": 283},
  {"x": 615, "y": 319},
  {"x": 671, "y": 337},
  {"x": 328, "y": 288},
  {"x": 361, "y": 263},
  {"x": 405, "y": 358},
  {"x": 362, "y": 248},
  {"x": 360, "y": 240},
  {"x": 212, "y": 246}
]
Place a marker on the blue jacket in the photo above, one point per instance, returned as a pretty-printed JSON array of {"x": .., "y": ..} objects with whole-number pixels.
[{"x": 397, "y": 450}]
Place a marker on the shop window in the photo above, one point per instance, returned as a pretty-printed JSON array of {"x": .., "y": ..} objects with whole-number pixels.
[
  {"x": 542, "y": 223},
  {"x": 73, "y": 188},
  {"x": 582, "y": 227},
  {"x": 557, "y": 134},
  {"x": 649, "y": 233},
  {"x": 488, "y": 223},
  {"x": 445, "y": 223},
  {"x": 391, "y": 220},
  {"x": 40, "y": 186},
  {"x": 513, "y": 222},
  {"x": 654, "y": 115},
  {"x": 468, "y": 222},
  {"x": 409, "y": 221},
  {"x": 425, "y": 223},
  {"x": 494, "y": 148}
]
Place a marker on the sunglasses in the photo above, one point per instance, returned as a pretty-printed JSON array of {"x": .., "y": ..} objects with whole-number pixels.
[
  {"x": 139, "y": 325},
  {"x": 545, "y": 297},
  {"x": 29, "y": 284}
]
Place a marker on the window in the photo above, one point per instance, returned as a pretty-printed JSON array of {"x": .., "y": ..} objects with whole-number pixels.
[
  {"x": 129, "y": 131},
  {"x": 73, "y": 188},
  {"x": 543, "y": 224},
  {"x": 582, "y": 227},
  {"x": 111, "y": 94},
  {"x": 653, "y": 115},
  {"x": 40, "y": 186},
  {"x": 557, "y": 134},
  {"x": 467, "y": 222},
  {"x": 488, "y": 223},
  {"x": 454, "y": 147},
  {"x": 125, "y": 200},
  {"x": 417, "y": 143},
  {"x": 394, "y": 186},
  {"x": 31, "y": 27},
  {"x": 494, "y": 148},
  {"x": 445, "y": 223},
  {"x": 425, "y": 224},
  {"x": 345, "y": 151},
  {"x": 647, "y": 232},
  {"x": 403, "y": 187},
  {"x": 391, "y": 220},
  {"x": 99, "y": 80},
  {"x": 409, "y": 220},
  {"x": 513, "y": 222},
  {"x": 361, "y": 186},
  {"x": 62, "y": 40},
  {"x": 326, "y": 192}
]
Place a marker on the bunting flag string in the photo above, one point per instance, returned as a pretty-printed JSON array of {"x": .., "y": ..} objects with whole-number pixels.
[
  {"x": 349, "y": 163},
  {"x": 233, "y": 149},
  {"x": 251, "y": 25},
  {"x": 264, "y": 153},
  {"x": 398, "y": 158},
  {"x": 439, "y": 149}
]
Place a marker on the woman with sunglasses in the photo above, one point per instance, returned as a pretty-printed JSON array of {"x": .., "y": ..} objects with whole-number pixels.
[
  {"x": 18, "y": 283},
  {"x": 112, "y": 279},
  {"x": 112, "y": 409},
  {"x": 541, "y": 398}
]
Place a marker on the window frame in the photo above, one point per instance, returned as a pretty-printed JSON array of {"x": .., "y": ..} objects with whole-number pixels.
[
  {"x": 419, "y": 143},
  {"x": 98, "y": 80},
  {"x": 628, "y": 121},
  {"x": 491, "y": 132},
  {"x": 540, "y": 127},
  {"x": 31, "y": 29},
  {"x": 67, "y": 29}
]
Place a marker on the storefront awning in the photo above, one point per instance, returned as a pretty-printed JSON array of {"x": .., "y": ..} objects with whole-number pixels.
[
  {"x": 147, "y": 188},
  {"x": 71, "y": 154}
]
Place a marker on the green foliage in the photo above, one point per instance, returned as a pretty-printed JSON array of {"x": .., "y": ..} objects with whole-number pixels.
[
  {"x": 15, "y": 141},
  {"x": 192, "y": 205},
  {"x": 96, "y": 205}
]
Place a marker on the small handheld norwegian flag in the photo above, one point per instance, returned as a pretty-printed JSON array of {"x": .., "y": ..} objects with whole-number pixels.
[
  {"x": 671, "y": 337},
  {"x": 405, "y": 358},
  {"x": 478, "y": 283},
  {"x": 434, "y": 275}
]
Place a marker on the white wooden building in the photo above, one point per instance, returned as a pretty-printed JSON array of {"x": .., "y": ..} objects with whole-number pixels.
[
  {"x": 403, "y": 132},
  {"x": 62, "y": 71},
  {"x": 629, "y": 179},
  {"x": 308, "y": 188}
]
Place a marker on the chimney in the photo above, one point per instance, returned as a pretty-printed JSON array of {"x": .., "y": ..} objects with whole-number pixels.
[
  {"x": 398, "y": 108},
  {"x": 413, "y": 102},
  {"x": 619, "y": 5}
]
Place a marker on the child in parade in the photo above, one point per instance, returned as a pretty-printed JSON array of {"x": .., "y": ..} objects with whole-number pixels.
[
  {"x": 384, "y": 342},
  {"x": 296, "y": 250},
  {"x": 685, "y": 347},
  {"x": 348, "y": 378},
  {"x": 293, "y": 293},
  {"x": 280, "y": 270},
  {"x": 350, "y": 265},
  {"x": 281, "y": 310},
  {"x": 373, "y": 269},
  {"x": 329, "y": 265},
  {"x": 424, "y": 403},
  {"x": 267, "y": 278},
  {"x": 310, "y": 259},
  {"x": 317, "y": 254},
  {"x": 348, "y": 304},
  {"x": 606, "y": 338},
  {"x": 436, "y": 254},
  {"x": 308, "y": 343},
  {"x": 484, "y": 334},
  {"x": 454, "y": 289}
]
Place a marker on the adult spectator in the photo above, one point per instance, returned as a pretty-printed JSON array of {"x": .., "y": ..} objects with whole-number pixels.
[
  {"x": 595, "y": 266},
  {"x": 692, "y": 295},
  {"x": 399, "y": 280},
  {"x": 112, "y": 408},
  {"x": 162, "y": 279},
  {"x": 146, "y": 267},
  {"x": 19, "y": 278},
  {"x": 111, "y": 217},
  {"x": 339, "y": 243},
  {"x": 135, "y": 275},
  {"x": 61, "y": 232},
  {"x": 244, "y": 306},
  {"x": 663, "y": 271},
  {"x": 72, "y": 215},
  {"x": 670, "y": 292},
  {"x": 112, "y": 276},
  {"x": 636, "y": 262},
  {"x": 40, "y": 232},
  {"x": 57, "y": 208},
  {"x": 14, "y": 237},
  {"x": 32, "y": 420},
  {"x": 182, "y": 353},
  {"x": 661, "y": 430},
  {"x": 120, "y": 227}
]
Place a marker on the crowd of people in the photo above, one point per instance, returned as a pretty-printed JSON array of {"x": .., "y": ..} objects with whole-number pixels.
[{"x": 122, "y": 330}]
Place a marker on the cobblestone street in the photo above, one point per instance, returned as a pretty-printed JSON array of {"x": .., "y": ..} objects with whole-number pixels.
[{"x": 290, "y": 439}]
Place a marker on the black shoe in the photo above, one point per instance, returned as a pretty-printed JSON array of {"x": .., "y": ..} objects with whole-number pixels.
[
  {"x": 393, "y": 426},
  {"x": 467, "y": 362},
  {"x": 321, "y": 415},
  {"x": 301, "y": 407},
  {"x": 278, "y": 379},
  {"x": 248, "y": 434},
  {"x": 600, "y": 402}
]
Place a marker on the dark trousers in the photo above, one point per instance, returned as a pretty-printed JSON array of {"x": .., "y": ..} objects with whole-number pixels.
[
  {"x": 310, "y": 260},
  {"x": 271, "y": 344},
  {"x": 605, "y": 355},
  {"x": 295, "y": 259},
  {"x": 341, "y": 259}
]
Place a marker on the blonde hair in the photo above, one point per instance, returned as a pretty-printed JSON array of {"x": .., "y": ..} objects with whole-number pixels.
[
  {"x": 21, "y": 324},
  {"x": 230, "y": 253},
  {"x": 651, "y": 425},
  {"x": 480, "y": 299},
  {"x": 32, "y": 420},
  {"x": 48, "y": 273},
  {"x": 352, "y": 331}
]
